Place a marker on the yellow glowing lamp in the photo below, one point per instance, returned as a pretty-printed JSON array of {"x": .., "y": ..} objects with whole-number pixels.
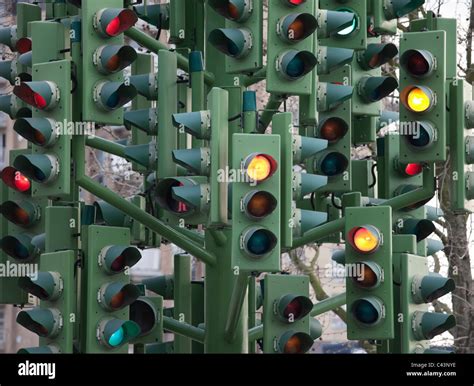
[
  {"x": 260, "y": 167},
  {"x": 365, "y": 239},
  {"x": 418, "y": 99}
]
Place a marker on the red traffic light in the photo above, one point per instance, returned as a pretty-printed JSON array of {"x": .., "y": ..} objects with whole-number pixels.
[
  {"x": 413, "y": 169},
  {"x": 23, "y": 45},
  {"x": 333, "y": 129},
  {"x": 111, "y": 22},
  {"x": 419, "y": 63},
  {"x": 43, "y": 95},
  {"x": 294, "y": 3},
  {"x": 15, "y": 180}
]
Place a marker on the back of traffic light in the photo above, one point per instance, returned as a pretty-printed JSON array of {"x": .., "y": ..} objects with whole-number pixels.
[
  {"x": 242, "y": 38},
  {"x": 296, "y": 149},
  {"x": 54, "y": 321},
  {"x": 423, "y": 95},
  {"x": 369, "y": 284},
  {"x": 461, "y": 140},
  {"x": 107, "y": 292},
  {"x": 286, "y": 320}
]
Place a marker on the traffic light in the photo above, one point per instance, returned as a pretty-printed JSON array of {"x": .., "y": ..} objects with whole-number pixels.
[
  {"x": 256, "y": 204},
  {"x": 286, "y": 320},
  {"x": 461, "y": 119},
  {"x": 200, "y": 197},
  {"x": 370, "y": 86},
  {"x": 147, "y": 312},
  {"x": 369, "y": 284},
  {"x": 291, "y": 45},
  {"x": 242, "y": 38},
  {"x": 418, "y": 289},
  {"x": 9, "y": 37},
  {"x": 334, "y": 126},
  {"x": 384, "y": 15},
  {"x": 296, "y": 149},
  {"x": 49, "y": 164},
  {"x": 155, "y": 14},
  {"x": 354, "y": 35},
  {"x": 14, "y": 107},
  {"x": 423, "y": 96},
  {"x": 104, "y": 91},
  {"x": 24, "y": 236},
  {"x": 106, "y": 326},
  {"x": 54, "y": 321},
  {"x": 392, "y": 172}
]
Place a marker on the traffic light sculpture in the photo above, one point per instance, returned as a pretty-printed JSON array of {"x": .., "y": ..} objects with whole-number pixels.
[
  {"x": 369, "y": 284},
  {"x": 286, "y": 320},
  {"x": 423, "y": 96}
]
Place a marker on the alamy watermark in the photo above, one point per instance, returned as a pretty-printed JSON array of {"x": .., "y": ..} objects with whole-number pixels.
[
  {"x": 335, "y": 270},
  {"x": 75, "y": 128},
  {"x": 228, "y": 175},
  {"x": 11, "y": 269}
]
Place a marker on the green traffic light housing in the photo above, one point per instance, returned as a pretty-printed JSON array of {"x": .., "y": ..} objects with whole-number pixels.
[
  {"x": 47, "y": 286},
  {"x": 10, "y": 105},
  {"x": 143, "y": 119},
  {"x": 420, "y": 228},
  {"x": 144, "y": 155},
  {"x": 306, "y": 183},
  {"x": 395, "y": 9},
  {"x": 332, "y": 58},
  {"x": 331, "y": 23},
  {"x": 161, "y": 285},
  {"x": 146, "y": 85},
  {"x": 402, "y": 189},
  {"x": 430, "y": 287},
  {"x": 375, "y": 88},
  {"x": 116, "y": 296},
  {"x": 42, "y": 132},
  {"x": 233, "y": 42},
  {"x": 197, "y": 124},
  {"x": 306, "y": 147},
  {"x": 332, "y": 95},
  {"x": 427, "y": 325},
  {"x": 50, "y": 349},
  {"x": 294, "y": 64},
  {"x": 111, "y": 59},
  {"x": 42, "y": 168},
  {"x": 183, "y": 196},
  {"x": 115, "y": 259},
  {"x": 433, "y": 246},
  {"x": 155, "y": 14},
  {"x": 8, "y": 70},
  {"x": 111, "y": 22},
  {"x": 22, "y": 213},
  {"x": 43, "y": 95},
  {"x": 238, "y": 11},
  {"x": 196, "y": 161},
  {"x": 23, "y": 247},
  {"x": 106, "y": 214},
  {"x": 45, "y": 322},
  {"x": 114, "y": 333},
  {"x": 376, "y": 55},
  {"x": 8, "y": 37},
  {"x": 112, "y": 95},
  {"x": 296, "y": 27}
]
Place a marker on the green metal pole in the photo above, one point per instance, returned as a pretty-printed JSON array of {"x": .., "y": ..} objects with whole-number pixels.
[
  {"x": 106, "y": 145},
  {"x": 182, "y": 299},
  {"x": 167, "y": 139},
  {"x": 219, "y": 236},
  {"x": 328, "y": 304},
  {"x": 192, "y": 235},
  {"x": 235, "y": 306},
  {"x": 155, "y": 45},
  {"x": 198, "y": 89},
  {"x": 184, "y": 329},
  {"x": 256, "y": 333},
  {"x": 252, "y": 305},
  {"x": 146, "y": 219},
  {"x": 270, "y": 109}
]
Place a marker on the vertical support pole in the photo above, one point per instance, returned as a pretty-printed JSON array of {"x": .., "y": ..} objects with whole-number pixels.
[
  {"x": 252, "y": 310},
  {"x": 182, "y": 299},
  {"x": 167, "y": 97}
]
